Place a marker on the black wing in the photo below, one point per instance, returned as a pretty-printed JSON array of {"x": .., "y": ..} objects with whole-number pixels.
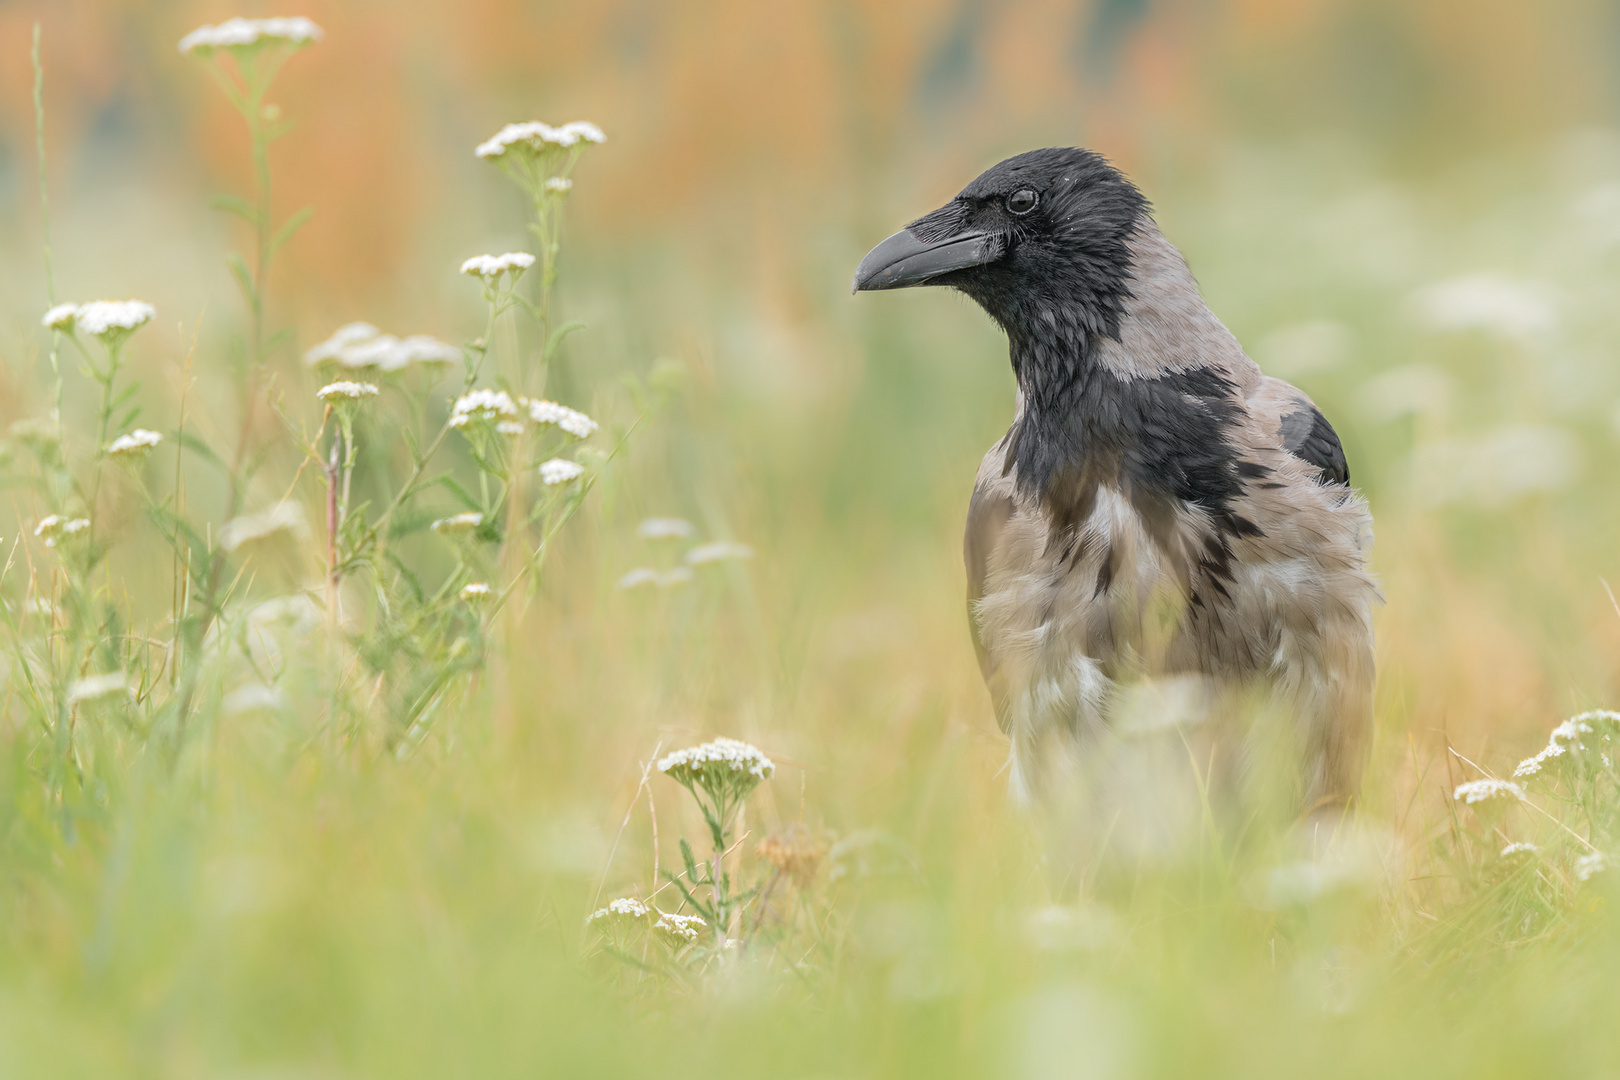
[{"x": 1308, "y": 436}]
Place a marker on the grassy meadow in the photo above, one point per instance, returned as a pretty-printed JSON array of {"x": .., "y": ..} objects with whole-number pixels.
[{"x": 305, "y": 773}]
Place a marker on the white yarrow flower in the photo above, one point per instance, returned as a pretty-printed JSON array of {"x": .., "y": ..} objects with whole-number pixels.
[
  {"x": 510, "y": 428},
  {"x": 54, "y": 527},
  {"x": 1519, "y": 847},
  {"x": 346, "y": 391},
  {"x": 726, "y": 755},
  {"x": 718, "y": 551},
  {"x": 135, "y": 444},
  {"x": 60, "y": 317},
  {"x": 283, "y": 517},
  {"x": 94, "y": 687},
  {"x": 1478, "y": 791},
  {"x": 1589, "y": 865},
  {"x": 663, "y": 579},
  {"x": 35, "y": 430},
  {"x": 665, "y": 528},
  {"x": 572, "y": 421},
  {"x": 624, "y": 907},
  {"x": 476, "y": 590},
  {"x": 560, "y": 471},
  {"x": 246, "y": 33},
  {"x": 360, "y": 346},
  {"x": 584, "y": 129},
  {"x": 487, "y": 406},
  {"x": 684, "y": 927},
  {"x": 1532, "y": 766},
  {"x": 559, "y": 184},
  {"x": 533, "y": 136},
  {"x": 458, "y": 523},
  {"x": 101, "y": 318},
  {"x": 491, "y": 267}
]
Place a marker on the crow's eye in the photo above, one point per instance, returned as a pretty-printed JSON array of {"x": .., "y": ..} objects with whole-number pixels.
[{"x": 1022, "y": 202}]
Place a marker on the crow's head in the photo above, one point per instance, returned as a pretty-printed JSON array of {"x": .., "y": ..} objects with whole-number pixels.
[{"x": 1040, "y": 237}]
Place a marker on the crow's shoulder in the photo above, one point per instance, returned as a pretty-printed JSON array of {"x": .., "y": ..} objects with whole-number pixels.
[{"x": 1300, "y": 427}]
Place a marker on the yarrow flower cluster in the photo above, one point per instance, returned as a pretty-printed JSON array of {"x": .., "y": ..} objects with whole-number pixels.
[
  {"x": 137, "y": 443},
  {"x": 1567, "y": 738},
  {"x": 625, "y": 907},
  {"x": 54, "y": 527},
  {"x": 665, "y": 528},
  {"x": 483, "y": 406},
  {"x": 346, "y": 391},
  {"x": 1590, "y": 865},
  {"x": 491, "y": 267},
  {"x": 458, "y": 523},
  {"x": 283, "y": 517},
  {"x": 560, "y": 185},
  {"x": 572, "y": 421},
  {"x": 100, "y": 318},
  {"x": 560, "y": 471},
  {"x": 664, "y": 579},
  {"x": 94, "y": 687},
  {"x": 1478, "y": 791},
  {"x": 1518, "y": 847},
  {"x": 683, "y": 927},
  {"x": 475, "y": 591},
  {"x": 718, "y": 551},
  {"x": 359, "y": 346},
  {"x": 241, "y": 34},
  {"x": 536, "y": 137},
  {"x": 721, "y": 757}
]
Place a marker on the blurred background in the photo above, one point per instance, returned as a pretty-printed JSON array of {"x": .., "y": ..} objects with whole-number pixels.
[{"x": 1410, "y": 209}]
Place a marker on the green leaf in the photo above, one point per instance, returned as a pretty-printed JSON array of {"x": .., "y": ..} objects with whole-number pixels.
[
  {"x": 290, "y": 226},
  {"x": 197, "y": 446},
  {"x": 244, "y": 279},
  {"x": 232, "y": 204},
  {"x": 449, "y": 483},
  {"x": 557, "y": 336}
]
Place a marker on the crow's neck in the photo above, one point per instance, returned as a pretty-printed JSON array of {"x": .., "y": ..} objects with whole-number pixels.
[{"x": 1161, "y": 436}]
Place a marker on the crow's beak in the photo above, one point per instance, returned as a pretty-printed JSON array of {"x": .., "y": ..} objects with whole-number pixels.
[{"x": 903, "y": 260}]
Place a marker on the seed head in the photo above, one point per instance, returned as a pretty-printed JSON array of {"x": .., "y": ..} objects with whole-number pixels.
[{"x": 795, "y": 851}]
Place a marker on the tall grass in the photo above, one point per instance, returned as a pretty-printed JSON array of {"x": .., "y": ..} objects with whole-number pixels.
[{"x": 326, "y": 807}]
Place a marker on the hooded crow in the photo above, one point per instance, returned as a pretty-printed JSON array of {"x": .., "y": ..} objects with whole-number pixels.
[{"x": 1159, "y": 512}]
